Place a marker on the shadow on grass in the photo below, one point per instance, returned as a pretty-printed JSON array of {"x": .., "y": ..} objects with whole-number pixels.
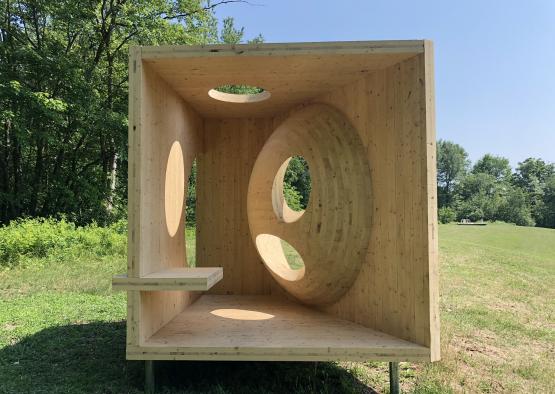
[{"x": 90, "y": 358}]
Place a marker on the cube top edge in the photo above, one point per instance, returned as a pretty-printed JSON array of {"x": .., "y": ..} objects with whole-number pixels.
[
  {"x": 291, "y": 48},
  {"x": 292, "y": 73}
]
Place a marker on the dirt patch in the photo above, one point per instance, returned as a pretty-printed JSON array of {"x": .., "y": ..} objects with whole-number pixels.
[{"x": 9, "y": 327}]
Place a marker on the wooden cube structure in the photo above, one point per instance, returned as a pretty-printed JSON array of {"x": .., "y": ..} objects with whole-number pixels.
[{"x": 362, "y": 115}]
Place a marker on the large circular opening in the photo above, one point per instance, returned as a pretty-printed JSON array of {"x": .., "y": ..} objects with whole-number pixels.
[
  {"x": 332, "y": 235},
  {"x": 239, "y": 94},
  {"x": 291, "y": 189},
  {"x": 282, "y": 258}
]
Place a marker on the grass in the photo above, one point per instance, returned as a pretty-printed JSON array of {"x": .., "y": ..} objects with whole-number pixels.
[
  {"x": 62, "y": 329},
  {"x": 191, "y": 245},
  {"x": 497, "y": 308},
  {"x": 292, "y": 257}
]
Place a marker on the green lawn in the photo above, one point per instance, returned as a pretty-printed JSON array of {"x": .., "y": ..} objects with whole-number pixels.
[{"x": 62, "y": 330}]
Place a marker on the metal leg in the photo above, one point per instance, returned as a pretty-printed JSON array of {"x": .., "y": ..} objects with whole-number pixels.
[
  {"x": 149, "y": 377},
  {"x": 394, "y": 378}
]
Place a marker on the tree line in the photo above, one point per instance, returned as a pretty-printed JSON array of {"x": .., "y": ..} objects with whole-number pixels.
[
  {"x": 63, "y": 117},
  {"x": 63, "y": 97},
  {"x": 487, "y": 190},
  {"x": 490, "y": 190}
]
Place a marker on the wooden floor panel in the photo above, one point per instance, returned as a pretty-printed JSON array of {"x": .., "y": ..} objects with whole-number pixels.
[{"x": 265, "y": 328}]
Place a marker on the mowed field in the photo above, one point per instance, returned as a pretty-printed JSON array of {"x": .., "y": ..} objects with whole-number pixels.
[{"x": 62, "y": 329}]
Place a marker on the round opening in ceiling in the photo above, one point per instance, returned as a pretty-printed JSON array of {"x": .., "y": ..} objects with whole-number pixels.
[{"x": 239, "y": 94}]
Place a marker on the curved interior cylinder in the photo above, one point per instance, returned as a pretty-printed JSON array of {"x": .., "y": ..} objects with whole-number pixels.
[{"x": 332, "y": 234}]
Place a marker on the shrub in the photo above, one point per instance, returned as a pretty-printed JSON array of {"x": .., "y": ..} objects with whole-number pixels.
[
  {"x": 446, "y": 215},
  {"x": 292, "y": 197},
  {"x": 514, "y": 208},
  {"x": 25, "y": 239}
]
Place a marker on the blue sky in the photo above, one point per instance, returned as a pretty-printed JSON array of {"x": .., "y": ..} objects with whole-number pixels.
[{"x": 495, "y": 60}]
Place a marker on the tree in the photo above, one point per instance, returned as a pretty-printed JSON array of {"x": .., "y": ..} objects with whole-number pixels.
[
  {"x": 452, "y": 165},
  {"x": 477, "y": 197},
  {"x": 513, "y": 208},
  {"x": 191, "y": 200},
  {"x": 497, "y": 198},
  {"x": 496, "y": 166},
  {"x": 446, "y": 215},
  {"x": 297, "y": 183},
  {"x": 230, "y": 34},
  {"x": 293, "y": 197},
  {"x": 63, "y": 98},
  {"x": 481, "y": 196},
  {"x": 546, "y": 216},
  {"x": 532, "y": 175}
]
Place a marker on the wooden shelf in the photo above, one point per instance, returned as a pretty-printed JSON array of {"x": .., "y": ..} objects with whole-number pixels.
[
  {"x": 194, "y": 279},
  {"x": 227, "y": 327}
]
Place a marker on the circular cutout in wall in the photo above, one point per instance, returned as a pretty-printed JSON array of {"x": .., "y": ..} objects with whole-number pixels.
[
  {"x": 174, "y": 188},
  {"x": 280, "y": 257},
  {"x": 191, "y": 216},
  {"x": 239, "y": 94},
  {"x": 291, "y": 189},
  {"x": 333, "y": 234}
]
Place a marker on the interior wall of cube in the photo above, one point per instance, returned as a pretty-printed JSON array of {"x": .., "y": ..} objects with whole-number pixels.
[{"x": 386, "y": 172}]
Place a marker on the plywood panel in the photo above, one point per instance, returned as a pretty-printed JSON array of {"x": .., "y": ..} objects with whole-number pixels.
[
  {"x": 220, "y": 327},
  {"x": 432, "y": 262},
  {"x": 292, "y": 73},
  {"x": 133, "y": 198},
  {"x": 169, "y": 135},
  {"x": 157, "y": 308},
  {"x": 223, "y": 239},
  {"x": 392, "y": 293},
  {"x": 386, "y": 91},
  {"x": 164, "y": 139},
  {"x": 388, "y": 108}
]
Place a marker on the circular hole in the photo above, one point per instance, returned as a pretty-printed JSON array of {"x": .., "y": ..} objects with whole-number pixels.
[
  {"x": 291, "y": 189},
  {"x": 239, "y": 94},
  {"x": 174, "y": 188},
  {"x": 280, "y": 257}
]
